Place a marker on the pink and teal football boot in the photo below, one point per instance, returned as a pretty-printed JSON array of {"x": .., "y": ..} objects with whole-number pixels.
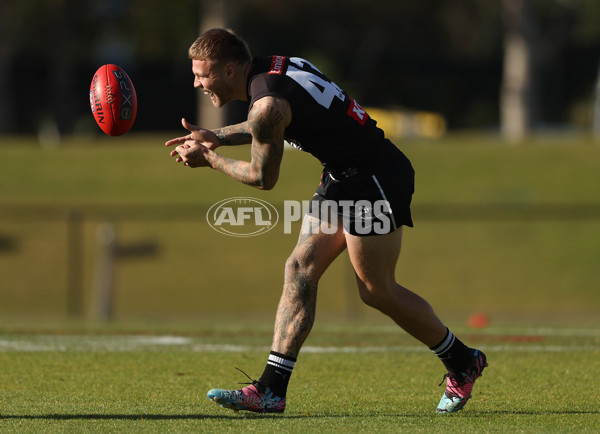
[
  {"x": 460, "y": 384},
  {"x": 256, "y": 397}
]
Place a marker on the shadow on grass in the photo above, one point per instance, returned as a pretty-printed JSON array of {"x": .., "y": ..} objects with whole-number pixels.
[
  {"x": 100, "y": 416},
  {"x": 533, "y": 413}
]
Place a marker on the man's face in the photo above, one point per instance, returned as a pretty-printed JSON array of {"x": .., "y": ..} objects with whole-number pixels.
[{"x": 213, "y": 80}]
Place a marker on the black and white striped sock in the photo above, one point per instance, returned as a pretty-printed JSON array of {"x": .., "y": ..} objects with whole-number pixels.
[
  {"x": 277, "y": 373},
  {"x": 455, "y": 355}
]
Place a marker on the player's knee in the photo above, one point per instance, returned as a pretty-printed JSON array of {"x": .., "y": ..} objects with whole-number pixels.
[
  {"x": 370, "y": 298},
  {"x": 373, "y": 295},
  {"x": 297, "y": 265}
]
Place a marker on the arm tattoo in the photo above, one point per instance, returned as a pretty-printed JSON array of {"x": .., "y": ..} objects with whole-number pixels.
[
  {"x": 234, "y": 135},
  {"x": 266, "y": 124}
]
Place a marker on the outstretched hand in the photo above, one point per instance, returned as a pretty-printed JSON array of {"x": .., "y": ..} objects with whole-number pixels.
[
  {"x": 205, "y": 137},
  {"x": 192, "y": 149}
]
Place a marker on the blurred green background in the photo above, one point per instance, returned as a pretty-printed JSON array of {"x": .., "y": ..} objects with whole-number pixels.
[
  {"x": 507, "y": 217},
  {"x": 509, "y": 231}
]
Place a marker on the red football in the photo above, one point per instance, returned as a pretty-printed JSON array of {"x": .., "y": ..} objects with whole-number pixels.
[{"x": 113, "y": 100}]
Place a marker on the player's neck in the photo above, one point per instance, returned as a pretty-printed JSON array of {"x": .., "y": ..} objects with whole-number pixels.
[{"x": 241, "y": 87}]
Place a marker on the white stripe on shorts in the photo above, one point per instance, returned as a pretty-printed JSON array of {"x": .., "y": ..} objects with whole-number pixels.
[{"x": 385, "y": 198}]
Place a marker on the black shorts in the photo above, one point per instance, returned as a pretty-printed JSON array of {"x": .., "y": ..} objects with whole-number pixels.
[{"x": 371, "y": 201}]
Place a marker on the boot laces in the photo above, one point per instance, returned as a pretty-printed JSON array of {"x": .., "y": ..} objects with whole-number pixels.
[
  {"x": 459, "y": 378},
  {"x": 462, "y": 378},
  {"x": 253, "y": 383}
]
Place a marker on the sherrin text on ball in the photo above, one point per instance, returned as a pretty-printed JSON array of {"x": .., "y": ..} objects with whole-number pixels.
[{"x": 113, "y": 100}]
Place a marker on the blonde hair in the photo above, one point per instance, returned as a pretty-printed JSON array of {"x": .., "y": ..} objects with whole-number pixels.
[{"x": 220, "y": 45}]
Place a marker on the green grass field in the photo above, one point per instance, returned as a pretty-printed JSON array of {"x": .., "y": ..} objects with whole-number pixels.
[{"x": 370, "y": 378}]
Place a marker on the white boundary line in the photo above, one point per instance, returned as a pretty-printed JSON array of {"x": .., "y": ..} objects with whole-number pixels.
[{"x": 128, "y": 343}]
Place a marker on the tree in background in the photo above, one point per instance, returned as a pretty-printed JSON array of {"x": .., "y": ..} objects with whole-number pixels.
[{"x": 518, "y": 93}]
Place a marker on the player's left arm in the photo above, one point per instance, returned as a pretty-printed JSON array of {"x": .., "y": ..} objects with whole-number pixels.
[{"x": 266, "y": 123}]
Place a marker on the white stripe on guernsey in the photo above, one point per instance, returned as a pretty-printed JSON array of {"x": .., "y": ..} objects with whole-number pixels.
[
  {"x": 444, "y": 346},
  {"x": 279, "y": 362},
  {"x": 385, "y": 198}
]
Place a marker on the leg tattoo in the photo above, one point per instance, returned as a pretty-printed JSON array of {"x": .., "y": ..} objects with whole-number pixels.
[
  {"x": 296, "y": 311},
  {"x": 312, "y": 255}
]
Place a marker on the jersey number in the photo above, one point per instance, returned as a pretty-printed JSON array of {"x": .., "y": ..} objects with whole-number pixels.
[{"x": 310, "y": 78}]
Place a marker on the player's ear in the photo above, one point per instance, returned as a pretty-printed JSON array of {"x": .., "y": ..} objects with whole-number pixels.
[{"x": 230, "y": 69}]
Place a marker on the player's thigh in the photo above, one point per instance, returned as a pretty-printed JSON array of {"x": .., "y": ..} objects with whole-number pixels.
[
  {"x": 318, "y": 245},
  {"x": 374, "y": 258}
]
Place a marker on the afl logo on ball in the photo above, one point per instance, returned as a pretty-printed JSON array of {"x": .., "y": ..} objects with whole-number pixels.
[{"x": 242, "y": 216}]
